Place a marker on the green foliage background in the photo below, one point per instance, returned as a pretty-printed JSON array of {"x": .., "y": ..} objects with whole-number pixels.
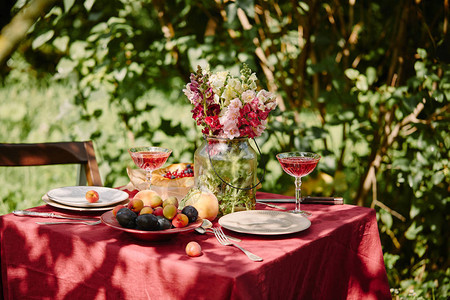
[{"x": 364, "y": 83}]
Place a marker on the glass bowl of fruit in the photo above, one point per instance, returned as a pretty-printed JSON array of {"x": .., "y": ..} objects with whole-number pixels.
[{"x": 173, "y": 180}]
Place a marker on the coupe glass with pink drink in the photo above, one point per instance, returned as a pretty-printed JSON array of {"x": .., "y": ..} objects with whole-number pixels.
[
  {"x": 298, "y": 164},
  {"x": 149, "y": 159}
]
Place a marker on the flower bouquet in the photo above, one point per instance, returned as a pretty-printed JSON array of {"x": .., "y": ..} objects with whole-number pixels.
[
  {"x": 230, "y": 111},
  {"x": 229, "y": 107}
]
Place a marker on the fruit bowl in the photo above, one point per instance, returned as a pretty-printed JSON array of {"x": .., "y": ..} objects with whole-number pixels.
[{"x": 110, "y": 220}]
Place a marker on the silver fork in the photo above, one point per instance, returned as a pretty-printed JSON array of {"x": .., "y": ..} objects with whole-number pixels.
[
  {"x": 222, "y": 238},
  {"x": 69, "y": 222}
]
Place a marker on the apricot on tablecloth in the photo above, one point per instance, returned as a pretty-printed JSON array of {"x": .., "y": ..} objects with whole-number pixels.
[{"x": 193, "y": 249}]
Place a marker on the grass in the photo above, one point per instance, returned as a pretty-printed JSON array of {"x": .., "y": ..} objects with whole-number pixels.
[
  {"x": 23, "y": 187},
  {"x": 31, "y": 113}
]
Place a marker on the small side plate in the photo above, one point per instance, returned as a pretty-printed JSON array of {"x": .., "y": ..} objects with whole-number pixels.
[
  {"x": 76, "y": 196},
  {"x": 74, "y": 208}
]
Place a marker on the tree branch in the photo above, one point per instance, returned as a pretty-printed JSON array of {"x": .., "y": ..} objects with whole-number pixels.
[
  {"x": 13, "y": 33},
  {"x": 381, "y": 151}
]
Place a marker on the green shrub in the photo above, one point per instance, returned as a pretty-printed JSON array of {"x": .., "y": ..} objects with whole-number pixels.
[{"x": 364, "y": 84}]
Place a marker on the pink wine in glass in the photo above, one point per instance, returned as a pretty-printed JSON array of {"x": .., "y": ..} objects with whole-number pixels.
[
  {"x": 149, "y": 159},
  {"x": 298, "y": 164}
]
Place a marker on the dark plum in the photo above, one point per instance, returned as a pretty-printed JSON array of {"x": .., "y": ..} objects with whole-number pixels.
[
  {"x": 164, "y": 223},
  {"x": 126, "y": 218},
  {"x": 147, "y": 222},
  {"x": 191, "y": 212}
]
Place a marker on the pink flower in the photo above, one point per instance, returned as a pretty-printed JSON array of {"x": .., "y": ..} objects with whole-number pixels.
[
  {"x": 260, "y": 128},
  {"x": 243, "y": 122},
  {"x": 255, "y": 105},
  {"x": 209, "y": 96},
  {"x": 230, "y": 130},
  {"x": 197, "y": 113},
  {"x": 246, "y": 109},
  {"x": 205, "y": 130},
  {"x": 213, "y": 122},
  {"x": 214, "y": 110},
  {"x": 247, "y": 131},
  {"x": 263, "y": 114},
  {"x": 235, "y": 104}
]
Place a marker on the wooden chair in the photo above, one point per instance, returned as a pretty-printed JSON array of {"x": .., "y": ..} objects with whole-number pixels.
[{"x": 82, "y": 153}]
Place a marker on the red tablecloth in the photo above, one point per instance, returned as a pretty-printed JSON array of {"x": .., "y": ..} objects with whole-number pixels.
[{"x": 338, "y": 257}]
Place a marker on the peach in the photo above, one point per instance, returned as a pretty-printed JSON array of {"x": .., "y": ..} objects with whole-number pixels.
[
  {"x": 92, "y": 196},
  {"x": 170, "y": 211},
  {"x": 193, "y": 249},
  {"x": 146, "y": 210},
  {"x": 117, "y": 208},
  {"x": 158, "y": 211},
  {"x": 135, "y": 205},
  {"x": 180, "y": 220},
  {"x": 206, "y": 204},
  {"x": 145, "y": 196}
]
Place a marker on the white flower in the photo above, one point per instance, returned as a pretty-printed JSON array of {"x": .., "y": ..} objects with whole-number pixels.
[
  {"x": 239, "y": 89},
  {"x": 228, "y": 94},
  {"x": 264, "y": 95},
  {"x": 236, "y": 85},
  {"x": 233, "y": 82},
  {"x": 271, "y": 105},
  {"x": 218, "y": 80},
  {"x": 261, "y": 105},
  {"x": 248, "y": 96},
  {"x": 216, "y": 98}
]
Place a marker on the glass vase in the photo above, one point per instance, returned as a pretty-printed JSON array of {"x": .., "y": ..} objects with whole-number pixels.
[{"x": 228, "y": 169}]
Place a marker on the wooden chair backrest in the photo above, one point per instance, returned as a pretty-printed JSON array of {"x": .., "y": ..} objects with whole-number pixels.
[{"x": 40, "y": 154}]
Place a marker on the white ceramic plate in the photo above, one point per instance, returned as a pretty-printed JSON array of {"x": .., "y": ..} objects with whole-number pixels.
[
  {"x": 74, "y": 208},
  {"x": 76, "y": 196},
  {"x": 264, "y": 222}
]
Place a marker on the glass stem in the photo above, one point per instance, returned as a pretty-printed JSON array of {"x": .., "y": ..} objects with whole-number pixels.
[
  {"x": 148, "y": 178},
  {"x": 298, "y": 193}
]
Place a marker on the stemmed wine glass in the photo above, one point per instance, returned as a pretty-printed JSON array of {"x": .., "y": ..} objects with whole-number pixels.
[
  {"x": 149, "y": 159},
  {"x": 298, "y": 164}
]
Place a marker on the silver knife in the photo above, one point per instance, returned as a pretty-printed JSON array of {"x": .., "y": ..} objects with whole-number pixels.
[
  {"x": 271, "y": 205},
  {"x": 46, "y": 215},
  {"x": 308, "y": 200}
]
